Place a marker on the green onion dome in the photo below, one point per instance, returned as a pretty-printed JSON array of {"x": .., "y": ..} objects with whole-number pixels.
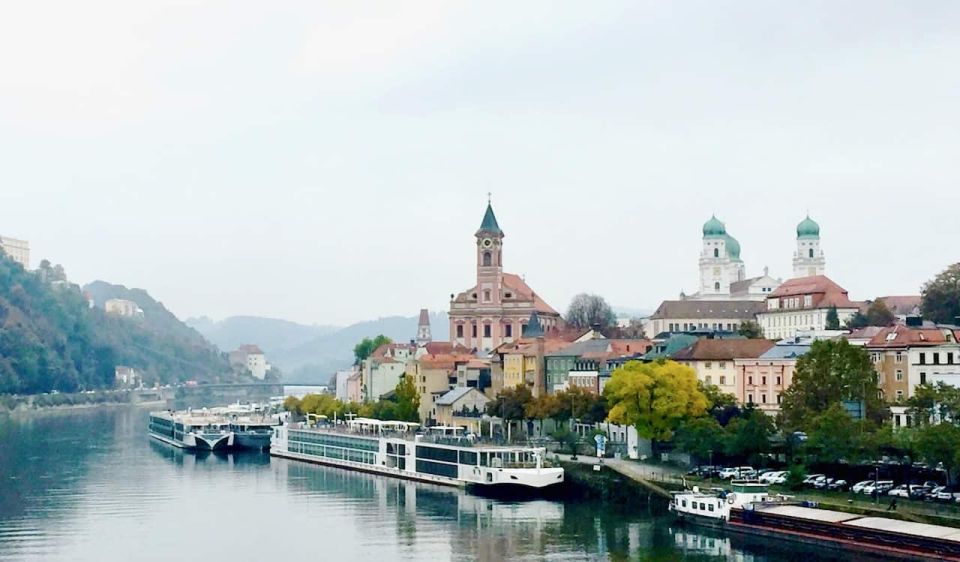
[
  {"x": 714, "y": 227},
  {"x": 808, "y": 228},
  {"x": 733, "y": 247}
]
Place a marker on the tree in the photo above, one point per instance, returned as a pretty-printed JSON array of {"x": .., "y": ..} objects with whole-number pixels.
[
  {"x": 585, "y": 311},
  {"x": 831, "y": 372},
  {"x": 833, "y": 320},
  {"x": 879, "y": 315},
  {"x": 857, "y": 321},
  {"x": 940, "y": 297},
  {"x": 834, "y": 436},
  {"x": 935, "y": 404},
  {"x": 700, "y": 437},
  {"x": 568, "y": 439},
  {"x": 511, "y": 403},
  {"x": 750, "y": 330},
  {"x": 367, "y": 346},
  {"x": 408, "y": 400},
  {"x": 292, "y": 404},
  {"x": 633, "y": 330},
  {"x": 654, "y": 397},
  {"x": 722, "y": 406},
  {"x": 748, "y": 436},
  {"x": 938, "y": 444}
]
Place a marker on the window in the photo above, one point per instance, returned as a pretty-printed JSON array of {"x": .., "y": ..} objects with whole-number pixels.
[
  {"x": 473, "y": 330},
  {"x": 778, "y": 381},
  {"x": 763, "y": 398},
  {"x": 716, "y": 286},
  {"x": 810, "y": 252},
  {"x": 708, "y": 365},
  {"x": 875, "y": 357},
  {"x": 923, "y": 378},
  {"x": 459, "y": 330},
  {"x": 750, "y": 379},
  {"x": 779, "y": 399},
  {"x": 486, "y": 330},
  {"x": 749, "y": 399},
  {"x": 899, "y": 375},
  {"x": 486, "y": 296},
  {"x": 923, "y": 358},
  {"x": 707, "y": 379},
  {"x": 508, "y": 295},
  {"x": 899, "y": 396},
  {"x": 936, "y": 358},
  {"x": 487, "y": 259},
  {"x": 723, "y": 379},
  {"x": 722, "y": 364},
  {"x": 508, "y": 330},
  {"x": 898, "y": 357},
  {"x": 763, "y": 381},
  {"x": 716, "y": 252}
]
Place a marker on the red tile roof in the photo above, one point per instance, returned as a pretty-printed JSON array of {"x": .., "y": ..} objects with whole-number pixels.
[
  {"x": 824, "y": 291},
  {"x": 719, "y": 350},
  {"x": 522, "y": 293},
  {"x": 902, "y": 305},
  {"x": 905, "y": 336}
]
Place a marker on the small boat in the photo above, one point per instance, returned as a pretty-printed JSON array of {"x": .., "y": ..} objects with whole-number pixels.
[
  {"x": 713, "y": 507},
  {"x": 191, "y": 430}
]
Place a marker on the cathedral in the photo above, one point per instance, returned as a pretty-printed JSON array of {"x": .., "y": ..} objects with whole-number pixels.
[
  {"x": 497, "y": 308},
  {"x": 723, "y": 274}
]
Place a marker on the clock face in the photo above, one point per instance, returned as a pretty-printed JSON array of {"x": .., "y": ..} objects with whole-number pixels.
[{"x": 487, "y": 242}]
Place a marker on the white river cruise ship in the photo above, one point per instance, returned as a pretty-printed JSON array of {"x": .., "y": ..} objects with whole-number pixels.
[{"x": 440, "y": 455}]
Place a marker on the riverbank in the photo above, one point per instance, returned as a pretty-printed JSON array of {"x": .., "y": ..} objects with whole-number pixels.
[
  {"x": 582, "y": 482},
  {"x": 18, "y": 404}
]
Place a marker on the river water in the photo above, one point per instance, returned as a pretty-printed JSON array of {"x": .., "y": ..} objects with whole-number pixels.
[{"x": 90, "y": 485}]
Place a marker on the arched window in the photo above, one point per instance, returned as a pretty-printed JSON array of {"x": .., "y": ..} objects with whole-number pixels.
[
  {"x": 716, "y": 252},
  {"x": 486, "y": 258},
  {"x": 716, "y": 286},
  {"x": 811, "y": 252}
]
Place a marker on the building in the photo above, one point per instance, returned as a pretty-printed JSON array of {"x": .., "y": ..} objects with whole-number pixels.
[
  {"x": 902, "y": 306},
  {"x": 720, "y": 263},
  {"x": 713, "y": 359},
  {"x": 808, "y": 260},
  {"x": 462, "y": 407},
  {"x": 122, "y": 307},
  {"x": 762, "y": 380},
  {"x": 251, "y": 358},
  {"x": 588, "y": 364},
  {"x": 355, "y": 387},
  {"x": 907, "y": 356},
  {"x": 127, "y": 377},
  {"x": 803, "y": 304},
  {"x": 522, "y": 362},
  {"x": 382, "y": 370},
  {"x": 496, "y": 309},
  {"x": 701, "y": 316},
  {"x": 17, "y": 250},
  {"x": 343, "y": 388},
  {"x": 423, "y": 328}
]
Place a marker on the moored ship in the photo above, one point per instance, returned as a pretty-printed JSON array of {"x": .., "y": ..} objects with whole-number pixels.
[
  {"x": 439, "y": 456},
  {"x": 188, "y": 430}
]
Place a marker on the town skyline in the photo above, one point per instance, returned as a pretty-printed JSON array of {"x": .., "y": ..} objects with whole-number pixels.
[{"x": 317, "y": 164}]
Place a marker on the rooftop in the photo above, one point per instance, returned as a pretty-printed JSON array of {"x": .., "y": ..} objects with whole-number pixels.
[
  {"x": 718, "y": 350},
  {"x": 708, "y": 310}
]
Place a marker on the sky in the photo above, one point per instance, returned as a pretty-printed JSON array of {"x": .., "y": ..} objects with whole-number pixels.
[{"x": 329, "y": 162}]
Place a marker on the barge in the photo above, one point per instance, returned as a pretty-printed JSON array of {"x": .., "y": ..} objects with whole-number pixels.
[
  {"x": 750, "y": 509},
  {"x": 403, "y": 450}
]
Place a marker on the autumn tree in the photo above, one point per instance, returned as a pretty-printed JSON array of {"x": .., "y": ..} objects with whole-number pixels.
[
  {"x": 511, "y": 404},
  {"x": 292, "y": 404},
  {"x": 940, "y": 297},
  {"x": 831, "y": 372},
  {"x": 586, "y": 311},
  {"x": 654, "y": 397},
  {"x": 879, "y": 315}
]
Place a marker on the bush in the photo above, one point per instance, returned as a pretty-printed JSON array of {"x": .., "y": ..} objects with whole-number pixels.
[{"x": 795, "y": 477}]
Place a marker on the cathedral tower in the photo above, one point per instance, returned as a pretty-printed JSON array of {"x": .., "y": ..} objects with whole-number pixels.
[
  {"x": 808, "y": 260},
  {"x": 720, "y": 263},
  {"x": 489, "y": 259}
]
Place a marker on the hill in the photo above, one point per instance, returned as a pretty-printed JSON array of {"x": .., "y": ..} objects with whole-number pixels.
[
  {"x": 311, "y": 353},
  {"x": 50, "y": 339}
]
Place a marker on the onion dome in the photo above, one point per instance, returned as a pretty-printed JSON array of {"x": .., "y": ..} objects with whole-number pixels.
[
  {"x": 808, "y": 228},
  {"x": 714, "y": 227},
  {"x": 733, "y": 247}
]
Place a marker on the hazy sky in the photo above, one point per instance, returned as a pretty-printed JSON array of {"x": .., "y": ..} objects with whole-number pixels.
[{"x": 329, "y": 161}]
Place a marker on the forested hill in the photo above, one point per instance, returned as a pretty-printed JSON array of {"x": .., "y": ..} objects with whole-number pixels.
[{"x": 50, "y": 339}]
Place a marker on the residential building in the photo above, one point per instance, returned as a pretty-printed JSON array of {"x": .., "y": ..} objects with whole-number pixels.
[
  {"x": 381, "y": 372},
  {"x": 523, "y": 361},
  {"x": 714, "y": 359},
  {"x": 701, "y": 316},
  {"x": 907, "y": 356},
  {"x": 496, "y": 309},
  {"x": 251, "y": 358},
  {"x": 423, "y": 328},
  {"x": 343, "y": 388},
  {"x": 355, "y": 387},
  {"x": 902, "y": 306},
  {"x": 434, "y": 376},
  {"x": 462, "y": 407},
  {"x": 17, "y": 250},
  {"x": 587, "y": 363},
  {"x": 803, "y": 304},
  {"x": 122, "y": 307},
  {"x": 808, "y": 260},
  {"x": 762, "y": 380},
  {"x": 127, "y": 377}
]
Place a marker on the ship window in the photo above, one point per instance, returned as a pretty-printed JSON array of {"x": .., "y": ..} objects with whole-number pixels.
[
  {"x": 683, "y": 502},
  {"x": 468, "y": 457},
  {"x": 437, "y": 468},
  {"x": 710, "y": 507},
  {"x": 703, "y": 505},
  {"x": 437, "y": 454}
]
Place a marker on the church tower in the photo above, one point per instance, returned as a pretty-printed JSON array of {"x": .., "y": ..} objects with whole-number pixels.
[
  {"x": 423, "y": 328},
  {"x": 489, "y": 260},
  {"x": 720, "y": 263},
  {"x": 808, "y": 260}
]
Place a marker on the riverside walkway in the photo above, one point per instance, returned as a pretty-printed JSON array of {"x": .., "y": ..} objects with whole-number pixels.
[{"x": 651, "y": 476}]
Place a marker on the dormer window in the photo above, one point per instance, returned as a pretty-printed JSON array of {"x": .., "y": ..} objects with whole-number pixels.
[{"x": 508, "y": 295}]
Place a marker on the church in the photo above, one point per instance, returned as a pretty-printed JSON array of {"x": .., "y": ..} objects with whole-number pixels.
[{"x": 497, "y": 308}]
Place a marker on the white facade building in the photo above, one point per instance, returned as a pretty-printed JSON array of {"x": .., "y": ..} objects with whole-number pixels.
[
  {"x": 343, "y": 389},
  {"x": 803, "y": 304},
  {"x": 17, "y": 250},
  {"x": 123, "y": 307},
  {"x": 808, "y": 260},
  {"x": 720, "y": 263}
]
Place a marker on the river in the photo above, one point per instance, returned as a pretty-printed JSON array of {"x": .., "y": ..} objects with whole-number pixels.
[{"x": 90, "y": 485}]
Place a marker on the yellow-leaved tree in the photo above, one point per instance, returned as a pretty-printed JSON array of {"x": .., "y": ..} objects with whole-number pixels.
[{"x": 654, "y": 397}]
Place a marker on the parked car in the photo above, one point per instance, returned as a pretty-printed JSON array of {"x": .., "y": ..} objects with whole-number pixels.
[
  {"x": 822, "y": 483},
  {"x": 947, "y": 494},
  {"x": 781, "y": 478},
  {"x": 901, "y": 491},
  {"x": 859, "y": 486},
  {"x": 838, "y": 485},
  {"x": 770, "y": 477},
  {"x": 737, "y": 472},
  {"x": 932, "y": 494},
  {"x": 809, "y": 480},
  {"x": 879, "y": 487}
]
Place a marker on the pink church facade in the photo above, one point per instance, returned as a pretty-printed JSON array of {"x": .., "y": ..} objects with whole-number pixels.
[{"x": 497, "y": 308}]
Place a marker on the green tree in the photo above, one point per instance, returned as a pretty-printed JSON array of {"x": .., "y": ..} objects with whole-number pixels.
[
  {"x": 831, "y": 372},
  {"x": 834, "y": 436},
  {"x": 935, "y": 403},
  {"x": 585, "y": 311},
  {"x": 408, "y": 400},
  {"x": 567, "y": 439},
  {"x": 748, "y": 436},
  {"x": 940, "y": 297},
  {"x": 833, "y": 320},
  {"x": 292, "y": 404},
  {"x": 654, "y": 397},
  {"x": 367, "y": 346},
  {"x": 879, "y": 315},
  {"x": 857, "y": 321},
  {"x": 511, "y": 404},
  {"x": 938, "y": 444},
  {"x": 700, "y": 437},
  {"x": 751, "y": 330},
  {"x": 722, "y": 406}
]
